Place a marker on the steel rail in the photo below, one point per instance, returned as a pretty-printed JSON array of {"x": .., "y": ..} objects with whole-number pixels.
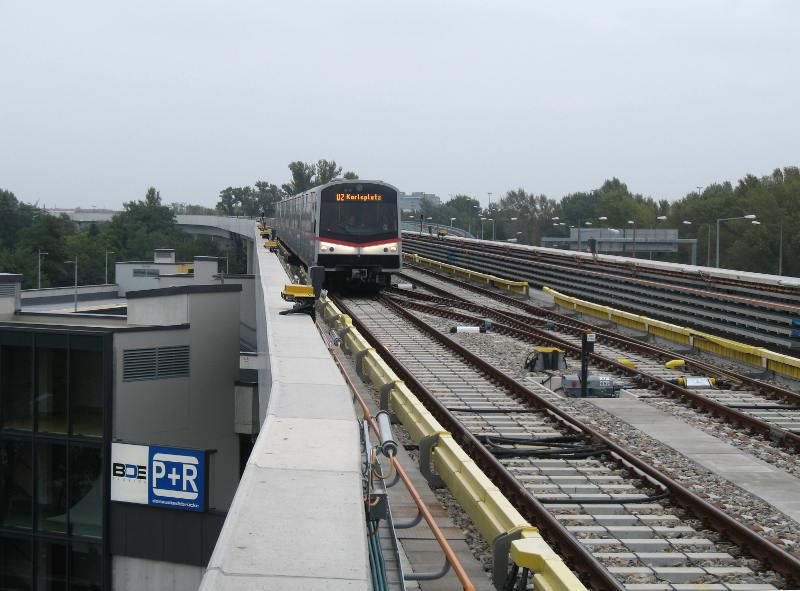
[
  {"x": 763, "y": 388},
  {"x": 529, "y": 269},
  {"x": 768, "y": 389},
  {"x": 761, "y": 548},
  {"x": 624, "y": 342},
  {"x": 632, "y": 268},
  {"x": 714, "y": 408},
  {"x": 515, "y": 491},
  {"x": 450, "y": 555}
]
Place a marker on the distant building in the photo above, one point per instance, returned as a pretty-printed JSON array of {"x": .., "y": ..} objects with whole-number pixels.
[{"x": 413, "y": 201}]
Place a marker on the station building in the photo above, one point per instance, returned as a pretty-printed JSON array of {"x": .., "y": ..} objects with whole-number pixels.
[
  {"x": 413, "y": 201},
  {"x": 120, "y": 449}
]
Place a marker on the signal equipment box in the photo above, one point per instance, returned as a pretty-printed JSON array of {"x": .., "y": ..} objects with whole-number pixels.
[{"x": 597, "y": 386}]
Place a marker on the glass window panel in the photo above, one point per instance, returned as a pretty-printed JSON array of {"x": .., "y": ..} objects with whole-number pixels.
[
  {"x": 51, "y": 383},
  {"x": 85, "y": 491},
  {"x": 16, "y": 564},
  {"x": 51, "y": 566},
  {"x": 16, "y": 483},
  {"x": 86, "y": 567},
  {"x": 16, "y": 380},
  {"x": 86, "y": 385},
  {"x": 51, "y": 483}
]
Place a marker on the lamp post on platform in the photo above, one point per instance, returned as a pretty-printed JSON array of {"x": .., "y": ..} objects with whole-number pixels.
[
  {"x": 749, "y": 216},
  {"x": 75, "y": 293},
  {"x": 41, "y": 254},
  {"x": 780, "y": 245},
  {"x": 633, "y": 223},
  {"x": 108, "y": 252}
]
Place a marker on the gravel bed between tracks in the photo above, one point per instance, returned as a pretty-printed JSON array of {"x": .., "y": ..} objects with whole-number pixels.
[
  {"x": 509, "y": 355},
  {"x": 755, "y": 445},
  {"x": 621, "y": 431}
]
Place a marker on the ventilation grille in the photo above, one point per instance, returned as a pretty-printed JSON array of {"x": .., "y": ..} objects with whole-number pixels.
[
  {"x": 7, "y": 290},
  {"x": 155, "y": 363},
  {"x": 145, "y": 272}
]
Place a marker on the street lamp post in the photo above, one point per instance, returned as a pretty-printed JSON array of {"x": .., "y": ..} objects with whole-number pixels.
[
  {"x": 41, "y": 254},
  {"x": 492, "y": 220},
  {"x": 482, "y": 220},
  {"x": 780, "y": 245},
  {"x": 108, "y": 252},
  {"x": 75, "y": 292},
  {"x": 514, "y": 225},
  {"x": 633, "y": 223},
  {"x": 749, "y": 216}
]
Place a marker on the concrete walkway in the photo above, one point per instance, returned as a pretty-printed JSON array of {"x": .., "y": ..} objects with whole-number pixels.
[{"x": 763, "y": 480}]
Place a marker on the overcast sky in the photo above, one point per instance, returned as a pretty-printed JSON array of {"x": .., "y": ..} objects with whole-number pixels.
[{"x": 100, "y": 100}]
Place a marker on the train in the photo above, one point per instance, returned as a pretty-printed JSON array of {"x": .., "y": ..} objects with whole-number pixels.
[{"x": 350, "y": 228}]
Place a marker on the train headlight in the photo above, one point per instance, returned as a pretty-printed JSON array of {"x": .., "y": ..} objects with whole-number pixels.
[
  {"x": 323, "y": 246},
  {"x": 393, "y": 248}
]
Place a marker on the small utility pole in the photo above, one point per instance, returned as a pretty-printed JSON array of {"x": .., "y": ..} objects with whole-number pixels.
[
  {"x": 41, "y": 254},
  {"x": 587, "y": 348}
]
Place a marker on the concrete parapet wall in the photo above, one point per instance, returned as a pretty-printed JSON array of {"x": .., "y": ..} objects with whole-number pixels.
[
  {"x": 301, "y": 489},
  {"x": 58, "y": 294}
]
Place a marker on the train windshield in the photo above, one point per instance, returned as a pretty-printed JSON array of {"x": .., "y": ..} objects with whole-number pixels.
[{"x": 358, "y": 212}]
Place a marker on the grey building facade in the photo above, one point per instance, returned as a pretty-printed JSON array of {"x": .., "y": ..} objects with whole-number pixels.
[{"x": 75, "y": 387}]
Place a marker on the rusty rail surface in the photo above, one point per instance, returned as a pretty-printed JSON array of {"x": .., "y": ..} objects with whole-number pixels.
[
  {"x": 450, "y": 555},
  {"x": 521, "y": 329},
  {"x": 743, "y": 536}
]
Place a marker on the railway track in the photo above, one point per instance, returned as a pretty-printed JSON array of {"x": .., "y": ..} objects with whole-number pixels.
[
  {"x": 745, "y": 402},
  {"x": 745, "y": 311},
  {"x": 619, "y": 521}
]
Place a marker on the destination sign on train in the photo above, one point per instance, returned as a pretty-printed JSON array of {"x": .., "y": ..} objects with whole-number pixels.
[{"x": 359, "y": 197}]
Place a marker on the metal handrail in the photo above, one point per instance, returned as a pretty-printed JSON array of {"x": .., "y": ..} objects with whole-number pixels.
[{"x": 451, "y": 560}]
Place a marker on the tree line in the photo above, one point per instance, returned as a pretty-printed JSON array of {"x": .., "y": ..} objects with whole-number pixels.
[
  {"x": 146, "y": 224},
  {"x": 774, "y": 200},
  {"x": 26, "y": 230},
  {"x": 32, "y": 240},
  {"x": 260, "y": 199}
]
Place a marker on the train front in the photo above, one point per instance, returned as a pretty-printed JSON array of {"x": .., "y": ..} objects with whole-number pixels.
[{"x": 359, "y": 233}]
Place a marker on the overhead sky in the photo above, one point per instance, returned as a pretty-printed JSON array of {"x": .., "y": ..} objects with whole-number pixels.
[{"x": 100, "y": 100}]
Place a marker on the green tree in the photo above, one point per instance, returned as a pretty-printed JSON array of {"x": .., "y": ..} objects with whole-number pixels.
[
  {"x": 143, "y": 226},
  {"x": 302, "y": 177},
  {"x": 14, "y": 216},
  {"x": 190, "y": 209},
  {"x": 266, "y": 196},
  {"x": 534, "y": 215},
  {"x": 47, "y": 233},
  {"x": 326, "y": 171},
  {"x": 306, "y": 175},
  {"x": 237, "y": 201},
  {"x": 91, "y": 252}
]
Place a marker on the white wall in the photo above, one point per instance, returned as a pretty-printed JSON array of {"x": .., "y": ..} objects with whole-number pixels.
[
  {"x": 127, "y": 282},
  {"x": 159, "y": 311}
]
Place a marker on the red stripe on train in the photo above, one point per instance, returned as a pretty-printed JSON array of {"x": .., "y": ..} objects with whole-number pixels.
[{"x": 358, "y": 244}]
